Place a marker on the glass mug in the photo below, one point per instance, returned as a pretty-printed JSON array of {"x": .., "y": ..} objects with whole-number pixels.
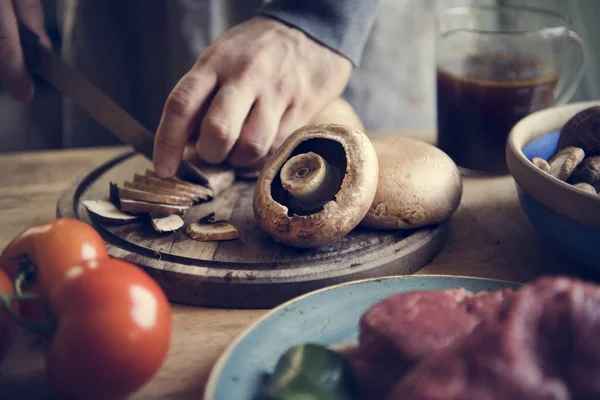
[{"x": 495, "y": 65}]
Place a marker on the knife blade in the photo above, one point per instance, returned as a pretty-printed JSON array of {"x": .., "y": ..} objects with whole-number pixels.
[{"x": 70, "y": 82}]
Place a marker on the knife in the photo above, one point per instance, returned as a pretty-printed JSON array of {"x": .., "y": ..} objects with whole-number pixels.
[{"x": 70, "y": 82}]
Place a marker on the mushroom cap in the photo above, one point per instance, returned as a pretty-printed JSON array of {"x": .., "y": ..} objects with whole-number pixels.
[
  {"x": 338, "y": 216},
  {"x": 582, "y": 130},
  {"x": 419, "y": 185}
]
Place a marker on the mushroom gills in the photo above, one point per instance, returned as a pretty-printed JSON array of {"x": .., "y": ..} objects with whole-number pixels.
[{"x": 311, "y": 177}]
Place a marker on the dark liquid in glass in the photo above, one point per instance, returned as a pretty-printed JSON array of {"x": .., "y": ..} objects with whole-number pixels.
[{"x": 480, "y": 98}]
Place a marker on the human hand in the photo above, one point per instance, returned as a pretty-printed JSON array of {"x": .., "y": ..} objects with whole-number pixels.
[
  {"x": 13, "y": 73},
  {"x": 246, "y": 93}
]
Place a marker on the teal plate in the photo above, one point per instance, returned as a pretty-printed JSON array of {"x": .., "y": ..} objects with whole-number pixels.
[{"x": 327, "y": 316}]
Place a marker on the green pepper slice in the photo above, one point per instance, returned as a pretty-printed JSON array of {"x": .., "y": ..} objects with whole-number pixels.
[{"x": 310, "y": 372}]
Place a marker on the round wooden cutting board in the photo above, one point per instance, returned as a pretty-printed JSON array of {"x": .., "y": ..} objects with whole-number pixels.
[{"x": 252, "y": 271}]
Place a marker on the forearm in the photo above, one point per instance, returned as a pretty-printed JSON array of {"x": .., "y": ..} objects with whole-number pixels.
[{"x": 341, "y": 25}]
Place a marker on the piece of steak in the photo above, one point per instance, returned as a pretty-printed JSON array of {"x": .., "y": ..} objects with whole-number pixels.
[
  {"x": 402, "y": 329},
  {"x": 543, "y": 343}
]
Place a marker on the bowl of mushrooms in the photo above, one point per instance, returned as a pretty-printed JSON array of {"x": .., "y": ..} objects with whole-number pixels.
[{"x": 554, "y": 158}]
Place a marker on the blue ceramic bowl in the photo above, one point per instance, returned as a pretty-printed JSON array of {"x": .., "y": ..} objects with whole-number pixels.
[{"x": 568, "y": 218}]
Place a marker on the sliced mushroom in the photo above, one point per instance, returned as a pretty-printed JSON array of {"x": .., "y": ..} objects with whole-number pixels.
[
  {"x": 339, "y": 111},
  {"x": 583, "y": 131},
  {"x": 220, "y": 177},
  {"x": 152, "y": 197},
  {"x": 588, "y": 171},
  {"x": 209, "y": 229},
  {"x": 419, "y": 185},
  {"x": 205, "y": 194},
  {"x": 541, "y": 164},
  {"x": 586, "y": 187},
  {"x": 201, "y": 191},
  {"x": 158, "y": 189},
  {"x": 135, "y": 206},
  {"x": 565, "y": 161},
  {"x": 107, "y": 212},
  {"x": 170, "y": 223},
  {"x": 317, "y": 186}
]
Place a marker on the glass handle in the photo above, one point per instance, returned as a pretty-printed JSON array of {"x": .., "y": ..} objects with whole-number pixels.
[{"x": 576, "y": 70}]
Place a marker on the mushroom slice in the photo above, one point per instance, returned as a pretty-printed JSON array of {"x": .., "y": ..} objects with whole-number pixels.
[
  {"x": 204, "y": 194},
  {"x": 208, "y": 229},
  {"x": 317, "y": 186},
  {"x": 158, "y": 189},
  {"x": 565, "y": 162},
  {"x": 151, "y": 197},
  {"x": 418, "y": 185},
  {"x": 220, "y": 177},
  {"x": 106, "y": 211},
  {"x": 193, "y": 187},
  {"x": 136, "y": 206},
  {"x": 586, "y": 187},
  {"x": 170, "y": 223},
  {"x": 541, "y": 164}
]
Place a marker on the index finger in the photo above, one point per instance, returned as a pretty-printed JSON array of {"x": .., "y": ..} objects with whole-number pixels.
[{"x": 180, "y": 111}]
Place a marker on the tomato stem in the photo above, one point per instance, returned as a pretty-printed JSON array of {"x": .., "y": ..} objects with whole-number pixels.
[{"x": 45, "y": 329}]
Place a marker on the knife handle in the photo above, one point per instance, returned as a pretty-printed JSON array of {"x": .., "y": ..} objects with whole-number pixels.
[{"x": 69, "y": 81}]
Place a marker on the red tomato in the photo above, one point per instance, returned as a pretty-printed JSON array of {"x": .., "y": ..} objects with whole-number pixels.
[
  {"x": 113, "y": 331},
  {"x": 51, "y": 248},
  {"x": 8, "y": 327}
]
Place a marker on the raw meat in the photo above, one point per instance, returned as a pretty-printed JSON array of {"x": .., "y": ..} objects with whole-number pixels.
[
  {"x": 541, "y": 343},
  {"x": 402, "y": 329}
]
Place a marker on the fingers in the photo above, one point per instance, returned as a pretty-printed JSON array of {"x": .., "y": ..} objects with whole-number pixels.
[
  {"x": 258, "y": 133},
  {"x": 13, "y": 74},
  {"x": 294, "y": 118},
  {"x": 222, "y": 124},
  {"x": 179, "y": 114},
  {"x": 31, "y": 13}
]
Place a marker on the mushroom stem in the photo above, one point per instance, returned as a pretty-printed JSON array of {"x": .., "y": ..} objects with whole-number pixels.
[{"x": 310, "y": 180}]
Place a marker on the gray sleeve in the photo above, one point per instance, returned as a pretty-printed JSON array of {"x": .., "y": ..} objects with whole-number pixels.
[{"x": 341, "y": 25}]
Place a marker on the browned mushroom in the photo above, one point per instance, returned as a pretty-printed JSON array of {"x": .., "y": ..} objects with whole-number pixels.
[
  {"x": 588, "y": 171},
  {"x": 565, "y": 161},
  {"x": 317, "y": 186},
  {"x": 583, "y": 131},
  {"x": 419, "y": 185}
]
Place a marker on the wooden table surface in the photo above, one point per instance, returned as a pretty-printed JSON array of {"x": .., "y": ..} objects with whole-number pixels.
[{"x": 489, "y": 237}]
